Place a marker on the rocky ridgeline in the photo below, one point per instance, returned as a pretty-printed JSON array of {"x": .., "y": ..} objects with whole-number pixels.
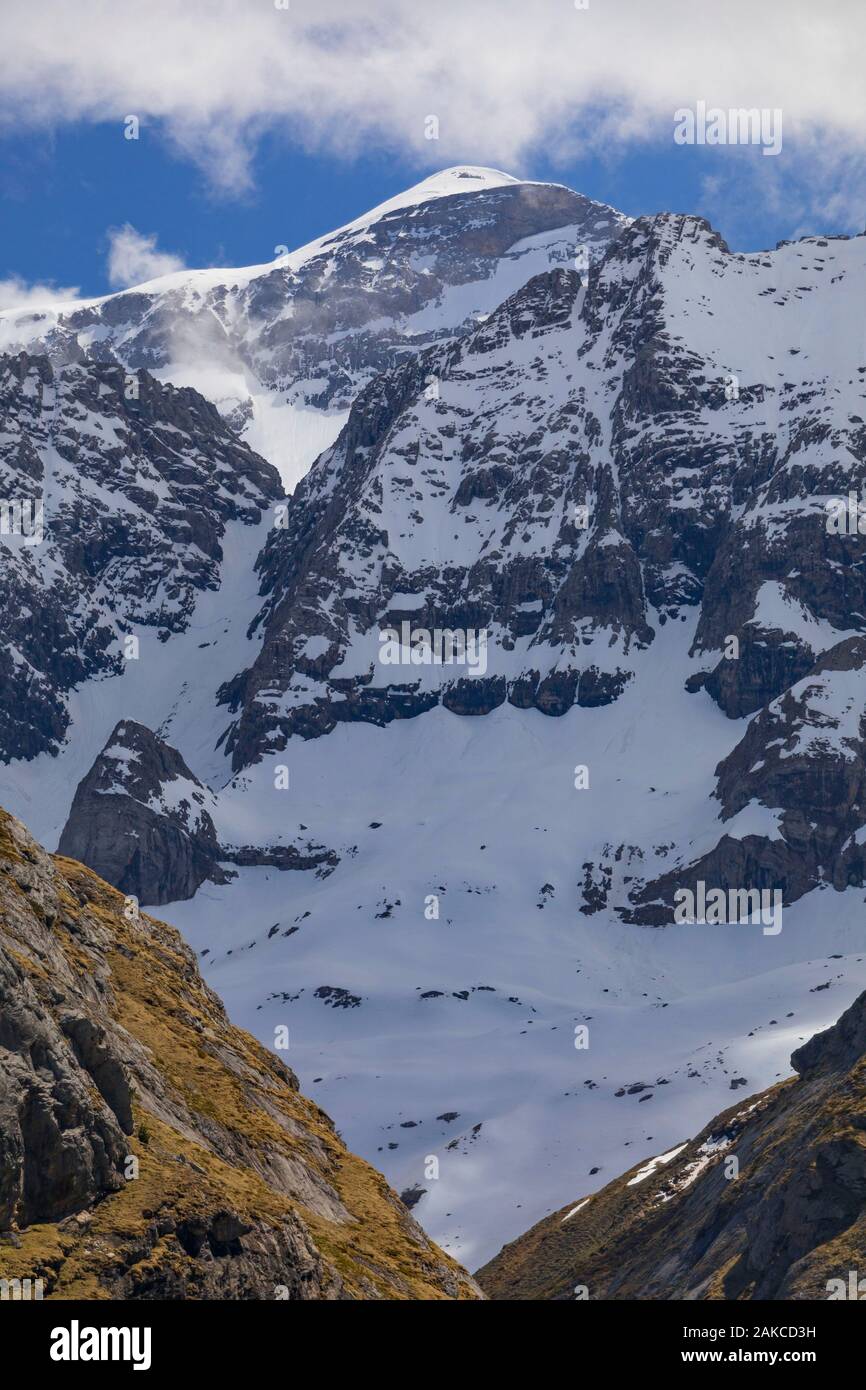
[{"x": 315, "y": 325}]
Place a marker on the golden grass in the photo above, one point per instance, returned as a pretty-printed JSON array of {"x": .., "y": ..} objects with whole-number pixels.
[{"x": 158, "y": 996}]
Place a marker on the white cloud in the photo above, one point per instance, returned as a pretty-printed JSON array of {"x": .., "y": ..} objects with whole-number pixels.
[
  {"x": 133, "y": 258},
  {"x": 506, "y": 78},
  {"x": 15, "y": 293}
]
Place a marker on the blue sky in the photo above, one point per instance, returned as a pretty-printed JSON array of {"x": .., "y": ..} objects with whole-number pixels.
[
  {"x": 269, "y": 122},
  {"x": 62, "y": 191}
]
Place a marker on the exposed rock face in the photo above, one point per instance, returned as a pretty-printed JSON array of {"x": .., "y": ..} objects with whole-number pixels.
[
  {"x": 448, "y": 517},
  {"x": 783, "y": 583},
  {"x": 791, "y": 1225},
  {"x": 137, "y": 483},
  {"x": 584, "y": 467},
  {"x": 769, "y": 660},
  {"x": 60, "y": 1149},
  {"x": 303, "y": 856},
  {"x": 804, "y": 758},
  {"x": 309, "y": 329},
  {"x": 740, "y": 501},
  {"x": 141, "y": 820},
  {"x": 148, "y": 1149}
]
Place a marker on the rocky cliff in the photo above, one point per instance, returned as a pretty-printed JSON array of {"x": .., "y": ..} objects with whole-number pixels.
[
  {"x": 148, "y": 1149},
  {"x": 141, "y": 820},
  {"x": 137, "y": 484}
]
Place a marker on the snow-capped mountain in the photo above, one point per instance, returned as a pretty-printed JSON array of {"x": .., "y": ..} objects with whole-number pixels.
[
  {"x": 621, "y": 469},
  {"x": 573, "y": 474},
  {"x": 283, "y": 348}
]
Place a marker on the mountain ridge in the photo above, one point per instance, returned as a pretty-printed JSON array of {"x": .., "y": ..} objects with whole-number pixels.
[
  {"x": 284, "y": 346},
  {"x": 610, "y": 472}
]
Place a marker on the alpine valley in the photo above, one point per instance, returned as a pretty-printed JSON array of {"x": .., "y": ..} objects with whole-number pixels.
[{"x": 487, "y": 406}]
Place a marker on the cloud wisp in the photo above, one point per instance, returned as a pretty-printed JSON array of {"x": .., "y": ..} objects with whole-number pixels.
[
  {"x": 16, "y": 293},
  {"x": 133, "y": 258}
]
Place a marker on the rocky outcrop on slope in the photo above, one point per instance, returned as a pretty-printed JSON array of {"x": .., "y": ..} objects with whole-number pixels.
[
  {"x": 137, "y": 483},
  {"x": 768, "y": 1202},
  {"x": 142, "y": 821},
  {"x": 150, "y": 1150},
  {"x": 804, "y": 759}
]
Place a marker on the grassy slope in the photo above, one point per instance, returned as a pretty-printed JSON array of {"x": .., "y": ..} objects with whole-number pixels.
[{"x": 239, "y": 1100}]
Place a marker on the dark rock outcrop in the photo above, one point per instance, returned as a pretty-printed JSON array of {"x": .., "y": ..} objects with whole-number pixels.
[
  {"x": 60, "y": 1150},
  {"x": 141, "y": 820},
  {"x": 803, "y": 757}
]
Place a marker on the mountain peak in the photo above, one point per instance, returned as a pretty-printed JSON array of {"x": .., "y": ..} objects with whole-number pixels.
[{"x": 461, "y": 178}]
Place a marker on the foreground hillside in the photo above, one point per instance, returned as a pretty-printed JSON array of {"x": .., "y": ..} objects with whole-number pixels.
[
  {"x": 768, "y": 1202},
  {"x": 149, "y": 1149}
]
